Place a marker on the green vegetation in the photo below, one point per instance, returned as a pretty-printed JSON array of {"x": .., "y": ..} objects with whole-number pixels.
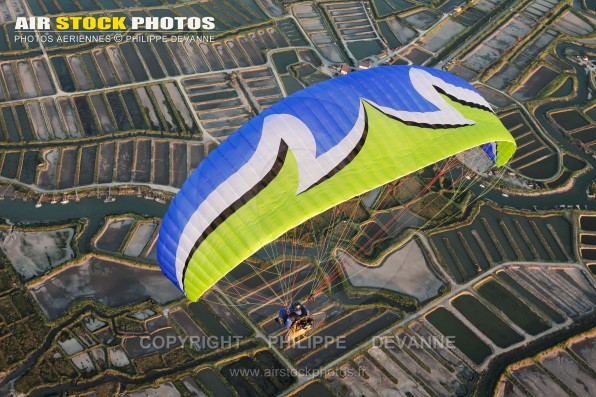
[
  {"x": 51, "y": 368},
  {"x": 464, "y": 339},
  {"x": 395, "y": 301},
  {"x": 149, "y": 363},
  {"x": 486, "y": 321},
  {"x": 23, "y": 304},
  {"x": 564, "y": 89},
  {"x": 176, "y": 357},
  {"x": 5, "y": 282},
  {"x": 22, "y": 328},
  {"x": 126, "y": 325},
  {"x": 437, "y": 206}
]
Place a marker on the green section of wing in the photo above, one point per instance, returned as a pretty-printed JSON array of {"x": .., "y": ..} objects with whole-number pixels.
[{"x": 391, "y": 151}]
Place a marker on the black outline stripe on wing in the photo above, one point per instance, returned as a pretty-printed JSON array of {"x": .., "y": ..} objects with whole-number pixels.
[
  {"x": 236, "y": 205},
  {"x": 277, "y": 166}
]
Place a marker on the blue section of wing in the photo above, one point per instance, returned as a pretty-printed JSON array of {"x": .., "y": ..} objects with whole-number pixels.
[
  {"x": 329, "y": 109},
  {"x": 491, "y": 150}
]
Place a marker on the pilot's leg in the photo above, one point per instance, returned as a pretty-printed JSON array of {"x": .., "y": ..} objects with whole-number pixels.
[{"x": 281, "y": 317}]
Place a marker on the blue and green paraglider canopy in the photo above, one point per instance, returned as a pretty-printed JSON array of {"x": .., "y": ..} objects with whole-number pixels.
[{"x": 313, "y": 150}]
